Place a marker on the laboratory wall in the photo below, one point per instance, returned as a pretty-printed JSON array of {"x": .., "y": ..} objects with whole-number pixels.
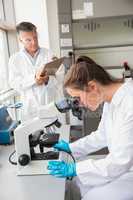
[
  {"x": 53, "y": 26},
  {"x": 44, "y": 14},
  {"x": 34, "y": 11}
]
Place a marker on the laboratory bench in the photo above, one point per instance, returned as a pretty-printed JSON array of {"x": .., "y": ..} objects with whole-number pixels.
[{"x": 26, "y": 187}]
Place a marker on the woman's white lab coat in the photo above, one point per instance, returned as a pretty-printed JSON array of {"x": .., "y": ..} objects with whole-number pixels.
[
  {"x": 22, "y": 79},
  {"x": 116, "y": 132}
]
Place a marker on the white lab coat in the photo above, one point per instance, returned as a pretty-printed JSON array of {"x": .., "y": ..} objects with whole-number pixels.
[
  {"x": 22, "y": 79},
  {"x": 116, "y": 132}
]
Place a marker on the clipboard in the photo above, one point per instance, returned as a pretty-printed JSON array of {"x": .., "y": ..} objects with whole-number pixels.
[{"x": 52, "y": 67}]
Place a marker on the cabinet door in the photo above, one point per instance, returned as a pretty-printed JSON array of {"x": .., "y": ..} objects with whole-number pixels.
[{"x": 103, "y": 8}]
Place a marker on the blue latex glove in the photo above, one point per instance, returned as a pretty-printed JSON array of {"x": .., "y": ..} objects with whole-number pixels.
[
  {"x": 62, "y": 146},
  {"x": 62, "y": 169}
]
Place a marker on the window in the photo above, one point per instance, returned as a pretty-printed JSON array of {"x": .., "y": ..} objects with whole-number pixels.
[
  {"x": 3, "y": 61},
  {"x": 6, "y": 38},
  {"x": 8, "y": 45},
  {"x": 1, "y": 10}
]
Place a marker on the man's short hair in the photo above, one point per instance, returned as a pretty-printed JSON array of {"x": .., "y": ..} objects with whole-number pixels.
[{"x": 25, "y": 26}]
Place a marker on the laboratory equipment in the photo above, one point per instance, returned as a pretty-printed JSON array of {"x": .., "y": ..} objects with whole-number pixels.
[
  {"x": 34, "y": 137},
  {"x": 128, "y": 71},
  {"x": 7, "y": 126}
]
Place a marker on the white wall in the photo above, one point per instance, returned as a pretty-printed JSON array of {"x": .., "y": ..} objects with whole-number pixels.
[
  {"x": 53, "y": 26},
  {"x": 34, "y": 11}
]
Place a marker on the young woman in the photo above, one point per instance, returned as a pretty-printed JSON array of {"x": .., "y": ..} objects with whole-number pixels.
[{"x": 111, "y": 177}]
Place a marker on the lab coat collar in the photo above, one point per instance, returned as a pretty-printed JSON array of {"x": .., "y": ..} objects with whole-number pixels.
[
  {"x": 35, "y": 55},
  {"x": 32, "y": 59},
  {"x": 121, "y": 92}
]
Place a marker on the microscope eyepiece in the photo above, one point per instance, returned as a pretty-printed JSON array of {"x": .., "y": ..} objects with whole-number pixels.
[{"x": 73, "y": 104}]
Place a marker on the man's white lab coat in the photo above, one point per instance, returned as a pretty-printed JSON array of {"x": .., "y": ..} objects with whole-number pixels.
[
  {"x": 116, "y": 132},
  {"x": 22, "y": 79}
]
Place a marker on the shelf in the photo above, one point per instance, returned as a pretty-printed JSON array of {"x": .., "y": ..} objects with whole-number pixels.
[
  {"x": 88, "y": 19},
  {"x": 102, "y": 46}
]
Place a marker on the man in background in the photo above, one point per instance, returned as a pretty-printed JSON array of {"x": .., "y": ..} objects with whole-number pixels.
[{"x": 25, "y": 71}]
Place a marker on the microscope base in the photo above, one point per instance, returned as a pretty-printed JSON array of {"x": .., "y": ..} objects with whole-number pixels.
[{"x": 39, "y": 167}]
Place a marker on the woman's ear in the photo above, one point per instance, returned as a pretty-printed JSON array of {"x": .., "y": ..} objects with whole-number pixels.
[{"x": 92, "y": 86}]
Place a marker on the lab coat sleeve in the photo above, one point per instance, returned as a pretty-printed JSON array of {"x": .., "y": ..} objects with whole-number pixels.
[
  {"x": 16, "y": 79},
  {"x": 60, "y": 74},
  {"x": 48, "y": 54},
  {"x": 90, "y": 143},
  {"x": 117, "y": 162},
  {"x": 60, "y": 78}
]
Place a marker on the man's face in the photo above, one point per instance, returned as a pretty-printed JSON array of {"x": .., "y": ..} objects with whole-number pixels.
[
  {"x": 29, "y": 40},
  {"x": 90, "y": 98}
]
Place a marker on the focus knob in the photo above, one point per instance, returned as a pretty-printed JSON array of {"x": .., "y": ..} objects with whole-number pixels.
[{"x": 24, "y": 159}]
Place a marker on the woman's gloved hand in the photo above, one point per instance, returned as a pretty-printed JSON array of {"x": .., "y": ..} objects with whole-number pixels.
[
  {"x": 62, "y": 169},
  {"x": 62, "y": 146}
]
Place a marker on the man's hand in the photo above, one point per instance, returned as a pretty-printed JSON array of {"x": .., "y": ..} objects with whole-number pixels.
[{"x": 41, "y": 79}]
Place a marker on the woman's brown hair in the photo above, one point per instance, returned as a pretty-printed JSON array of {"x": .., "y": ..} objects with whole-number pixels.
[{"x": 85, "y": 70}]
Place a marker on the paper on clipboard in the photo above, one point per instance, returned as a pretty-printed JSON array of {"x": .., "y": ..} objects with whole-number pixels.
[{"x": 52, "y": 67}]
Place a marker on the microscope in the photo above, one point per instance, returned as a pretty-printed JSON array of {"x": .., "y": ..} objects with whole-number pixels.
[{"x": 35, "y": 138}]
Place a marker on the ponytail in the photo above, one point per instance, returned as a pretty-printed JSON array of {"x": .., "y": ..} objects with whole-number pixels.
[{"x": 82, "y": 72}]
